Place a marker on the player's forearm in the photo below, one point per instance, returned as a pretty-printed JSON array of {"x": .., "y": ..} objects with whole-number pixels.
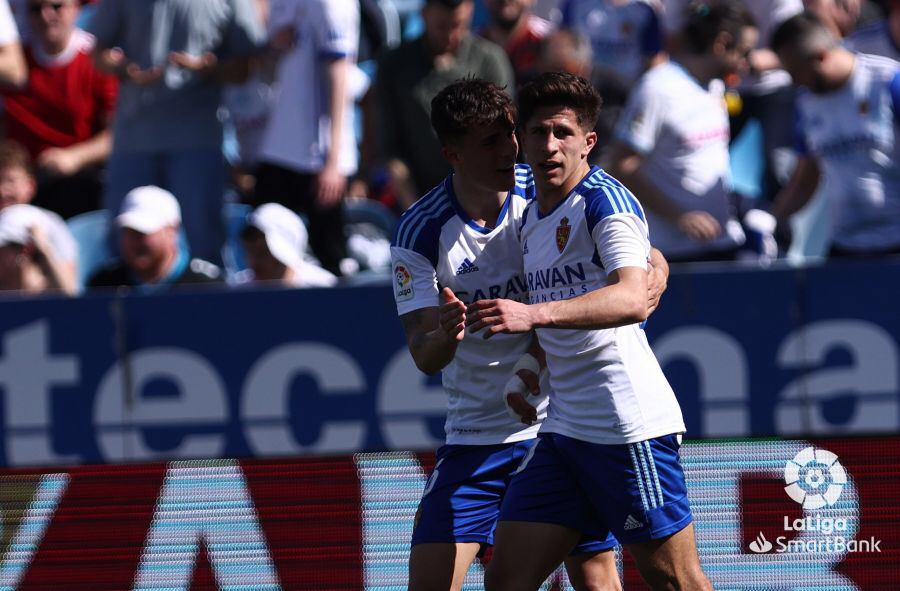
[
  {"x": 619, "y": 304},
  {"x": 626, "y": 166},
  {"x": 799, "y": 189},
  {"x": 432, "y": 351},
  {"x": 650, "y": 197},
  {"x": 337, "y": 71}
]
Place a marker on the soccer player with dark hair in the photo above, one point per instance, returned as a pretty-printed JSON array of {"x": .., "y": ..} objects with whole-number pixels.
[
  {"x": 848, "y": 124},
  {"x": 607, "y": 457},
  {"x": 671, "y": 142},
  {"x": 456, "y": 245}
]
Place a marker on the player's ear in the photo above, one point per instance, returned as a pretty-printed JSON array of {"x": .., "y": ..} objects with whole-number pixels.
[
  {"x": 590, "y": 140},
  {"x": 450, "y": 154}
]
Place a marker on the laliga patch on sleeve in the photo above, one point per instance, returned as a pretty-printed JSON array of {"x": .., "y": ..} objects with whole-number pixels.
[{"x": 403, "y": 287}]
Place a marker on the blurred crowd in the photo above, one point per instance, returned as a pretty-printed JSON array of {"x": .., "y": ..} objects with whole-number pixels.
[{"x": 157, "y": 143}]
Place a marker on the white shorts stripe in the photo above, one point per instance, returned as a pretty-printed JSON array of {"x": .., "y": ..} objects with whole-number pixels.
[
  {"x": 656, "y": 483},
  {"x": 639, "y": 475}
]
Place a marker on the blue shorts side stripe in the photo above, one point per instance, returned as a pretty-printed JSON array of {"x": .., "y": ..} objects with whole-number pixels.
[
  {"x": 639, "y": 477},
  {"x": 648, "y": 479},
  {"x": 652, "y": 462}
]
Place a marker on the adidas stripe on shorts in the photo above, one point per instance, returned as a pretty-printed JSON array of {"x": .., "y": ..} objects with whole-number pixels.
[{"x": 635, "y": 491}]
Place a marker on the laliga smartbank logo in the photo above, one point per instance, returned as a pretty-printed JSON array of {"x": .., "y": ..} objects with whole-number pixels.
[{"x": 815, "y": 478}]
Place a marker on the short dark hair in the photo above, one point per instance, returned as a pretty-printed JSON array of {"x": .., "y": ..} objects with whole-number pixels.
[
  {"x": 14, "y": 155},
  {"x": 469, "y": 103},
  {"x": 805, "y": 32},
  {"x": 560, "y": 89},
  {"x": 706, "y": 19}
]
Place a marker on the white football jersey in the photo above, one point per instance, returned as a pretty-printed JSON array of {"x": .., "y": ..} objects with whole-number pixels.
[
  {"x": 681, "y": 129},
  {"x": 437, "y": 245},
  {"x": 852, "y": 132},
  {"x": 606, "y": 385}
]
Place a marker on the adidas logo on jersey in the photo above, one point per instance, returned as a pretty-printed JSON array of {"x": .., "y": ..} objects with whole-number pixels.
[
  {"x": 467, "y": 266},
  {"x": 632, "y": 523}
]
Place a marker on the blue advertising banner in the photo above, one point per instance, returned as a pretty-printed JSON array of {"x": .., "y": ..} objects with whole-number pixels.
[{"x": 109, "y": 379}]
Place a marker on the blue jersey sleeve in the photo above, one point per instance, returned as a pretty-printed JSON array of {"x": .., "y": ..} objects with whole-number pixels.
[
  {"x": 420, "y": 226},
  {"x": 606, "y": 196}
]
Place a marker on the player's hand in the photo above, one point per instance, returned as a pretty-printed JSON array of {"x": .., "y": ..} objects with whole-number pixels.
[
  {"x": 198, "y": 64},
  {"x": 699, "y": 225},
  {"x": 498, "y": 316},
  {"x": 523, "y": 383},
  {"x": 331, "y": 185},
  {"x": 452, "y": 315},
  {"x": 657, "y": 281},
  {"x": 59, "y": 161},
  {"x": 115, "y": 60},
  {"x": 284, "y": 39}
]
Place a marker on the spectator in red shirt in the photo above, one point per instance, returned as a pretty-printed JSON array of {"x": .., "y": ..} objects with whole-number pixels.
[{"x": 62, "y": 115}]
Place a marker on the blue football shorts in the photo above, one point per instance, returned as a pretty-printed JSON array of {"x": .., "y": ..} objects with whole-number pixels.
[
  {"x": 636, "y": 492},
  {"x": 462, "y": 497}
]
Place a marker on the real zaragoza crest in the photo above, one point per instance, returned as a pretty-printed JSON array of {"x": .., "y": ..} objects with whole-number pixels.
[{"x": 562, "y": 234}]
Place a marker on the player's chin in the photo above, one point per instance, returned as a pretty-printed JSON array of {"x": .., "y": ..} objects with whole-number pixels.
[{"x": 502, "y": 179}]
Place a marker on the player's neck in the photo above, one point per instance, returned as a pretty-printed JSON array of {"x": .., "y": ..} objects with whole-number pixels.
[
  {"x": 698, "y": 66},
  {"x": 548, "y": 197},
  {"x": 480, "y": 204}
]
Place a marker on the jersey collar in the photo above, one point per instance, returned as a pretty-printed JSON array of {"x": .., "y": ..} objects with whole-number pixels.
[
  {"x": 576, "y": 189},
  {"x": 451, "y": 194}
]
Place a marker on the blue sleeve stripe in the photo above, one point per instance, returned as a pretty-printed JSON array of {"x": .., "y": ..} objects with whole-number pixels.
[
  {"x": 612, "y": 202},
  {"x": 427, "y": 243},
  {"x": 418, "y": 212},
  {"x": 621, "y": 199}
]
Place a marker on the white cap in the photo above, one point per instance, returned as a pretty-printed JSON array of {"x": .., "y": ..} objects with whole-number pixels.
[
  {"x": 15, "y": 224},
  {"x": 148, "y": 210},
  {"x": 285, "y": 233}
]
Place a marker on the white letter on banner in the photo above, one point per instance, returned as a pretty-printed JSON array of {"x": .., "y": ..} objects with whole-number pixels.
[
  {"x": 405, "y": 402},
  {"x": 22, "y": 544},
  {"x": 872, "y": 379},
  {"x": 27, "y": 372},
  {"x": 265, "y": 398},
  {"x": 206, "y": 501},
  {"x": 200, "y": 400},
  {"x": 721, "y": 373}
]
